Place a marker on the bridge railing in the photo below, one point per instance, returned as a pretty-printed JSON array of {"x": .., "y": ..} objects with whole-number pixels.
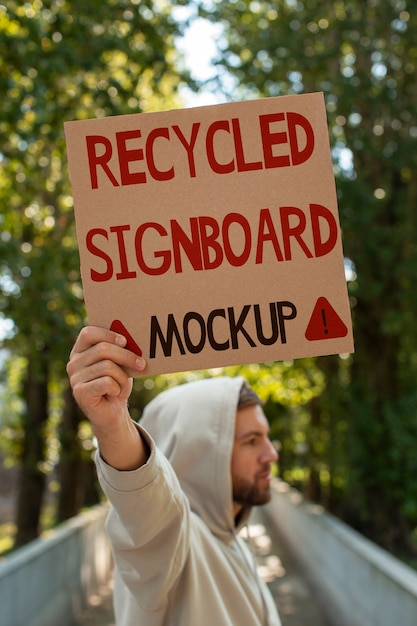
[
  {"x": 50, "y": 580},
  {"x": 357, "y": 583}
]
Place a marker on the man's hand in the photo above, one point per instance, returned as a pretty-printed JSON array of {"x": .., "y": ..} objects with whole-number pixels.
[{"x": 100, "y": 370}]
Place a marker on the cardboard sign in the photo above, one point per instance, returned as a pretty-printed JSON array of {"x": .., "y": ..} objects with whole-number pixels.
[{"x": 210, "y": 236}]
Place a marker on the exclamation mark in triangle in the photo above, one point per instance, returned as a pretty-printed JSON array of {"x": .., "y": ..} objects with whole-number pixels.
[
  {"x": 325, "y": 323},
  {"x": 323, "y": 314}
]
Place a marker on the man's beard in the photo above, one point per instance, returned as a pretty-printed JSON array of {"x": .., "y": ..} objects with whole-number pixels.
[{"x": 249, "y": 494}]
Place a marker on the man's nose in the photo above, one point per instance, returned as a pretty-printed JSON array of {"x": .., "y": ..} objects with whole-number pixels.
[{"x": 271, "y": 452}]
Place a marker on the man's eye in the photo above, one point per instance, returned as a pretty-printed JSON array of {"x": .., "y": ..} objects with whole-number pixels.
[{"x": 251, "y": 442}]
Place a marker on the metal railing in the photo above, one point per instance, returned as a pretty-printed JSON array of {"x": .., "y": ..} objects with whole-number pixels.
[{"x": 50, "y": 580}]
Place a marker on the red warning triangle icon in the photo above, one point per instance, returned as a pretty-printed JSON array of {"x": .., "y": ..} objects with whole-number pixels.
[
  {"x": 118, "y": 327},
  {"x": 325, "y": 323}
]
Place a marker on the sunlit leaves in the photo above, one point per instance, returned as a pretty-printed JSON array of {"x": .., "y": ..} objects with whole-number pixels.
[
  {"x": 363, "y": 56},
  {"x": 62, "y": 60}
]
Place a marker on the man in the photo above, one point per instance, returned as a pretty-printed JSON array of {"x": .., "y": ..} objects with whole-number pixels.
[{"x": 182, "y": 484}]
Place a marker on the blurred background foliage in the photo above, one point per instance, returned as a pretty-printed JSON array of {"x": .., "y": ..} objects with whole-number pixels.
[{"x": 347, "y": 424}]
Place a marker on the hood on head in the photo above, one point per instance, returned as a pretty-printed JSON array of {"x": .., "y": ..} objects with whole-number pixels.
[{"x": 194, "y": 426}]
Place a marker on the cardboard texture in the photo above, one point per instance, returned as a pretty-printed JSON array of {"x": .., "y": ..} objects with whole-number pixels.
[{"x": 210, "y": 236}]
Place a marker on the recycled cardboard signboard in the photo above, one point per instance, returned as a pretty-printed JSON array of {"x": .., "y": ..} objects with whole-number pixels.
[{"x": 210, "y": 236}]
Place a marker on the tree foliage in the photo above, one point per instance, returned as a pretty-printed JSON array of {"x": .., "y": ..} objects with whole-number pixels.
[
  {"x": 60, "y": 60},
  {"x": 363, "y": 56}
]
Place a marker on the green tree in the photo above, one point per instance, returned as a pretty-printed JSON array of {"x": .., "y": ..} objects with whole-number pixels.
[
  {"x": 363, "y": 56},
  {"x": 60, "y": 60}
]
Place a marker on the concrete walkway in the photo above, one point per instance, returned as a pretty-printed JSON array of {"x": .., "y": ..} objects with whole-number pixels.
[
  {"x": 296, "y": 604},
  {"x": 100, "y": 613}
]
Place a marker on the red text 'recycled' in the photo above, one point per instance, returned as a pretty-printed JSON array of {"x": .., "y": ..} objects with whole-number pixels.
[{"x": 135, "y": 157}]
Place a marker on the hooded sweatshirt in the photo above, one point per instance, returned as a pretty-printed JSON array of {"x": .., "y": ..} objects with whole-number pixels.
[{"x": 179, "y": 560}]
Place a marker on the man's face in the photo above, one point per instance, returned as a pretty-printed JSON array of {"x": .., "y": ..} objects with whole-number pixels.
[{"x": 252, "y": 456}]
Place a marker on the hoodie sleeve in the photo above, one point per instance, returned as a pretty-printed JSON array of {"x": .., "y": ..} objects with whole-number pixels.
[{"x": 147, "y": 525}]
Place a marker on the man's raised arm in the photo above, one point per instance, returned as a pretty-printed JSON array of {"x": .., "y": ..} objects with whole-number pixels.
[{"x": 100, "y": 370}]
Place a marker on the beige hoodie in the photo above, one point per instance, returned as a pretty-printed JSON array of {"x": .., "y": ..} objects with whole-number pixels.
[{"x": 179, "y": 559}]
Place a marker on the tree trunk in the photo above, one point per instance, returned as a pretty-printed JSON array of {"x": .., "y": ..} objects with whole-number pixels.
[
  {"x": 313, "y": 487},
  {"x": 76, "y": 470},
  {"x": 92, "y": 493},
  {"x": 32, "y": 478},
  {"x": 69, "y": 469}
]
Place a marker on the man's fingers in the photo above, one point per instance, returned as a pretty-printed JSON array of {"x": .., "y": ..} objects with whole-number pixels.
[
  {"x": 96, "y": 344},
  {"x": 92, "y": 335},
  {"x": 102, "y": 400},
  {"x": 107, "y": 386}
]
